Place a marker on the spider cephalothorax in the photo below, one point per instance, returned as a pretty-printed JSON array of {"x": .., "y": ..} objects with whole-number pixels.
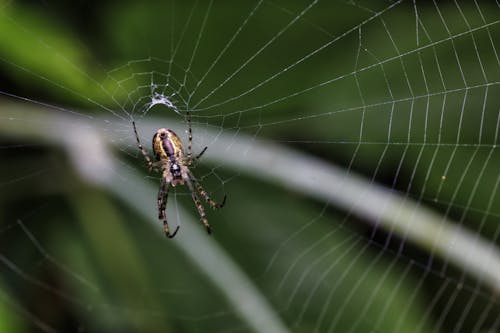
[{"x": 174, "y": 165}]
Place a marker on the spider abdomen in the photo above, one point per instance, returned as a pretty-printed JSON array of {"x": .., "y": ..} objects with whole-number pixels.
[{"x": 166, "y": 144}]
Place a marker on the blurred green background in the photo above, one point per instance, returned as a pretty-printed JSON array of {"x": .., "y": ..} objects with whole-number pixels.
[{"x": 404, "y": 95}]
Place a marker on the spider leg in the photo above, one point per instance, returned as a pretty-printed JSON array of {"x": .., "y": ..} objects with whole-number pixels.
[
  {"x": 162, "y": 206},
  {"x": 190, "y": 134},
  {"x": 201, "y": 210},
  {"x": 190, "y": 139},
  {"x": 201, "y": 154},
  {"x": 205, "y": 195},
  {"x": 149, "y": 163},
  {"x": 189, "y": 161}
]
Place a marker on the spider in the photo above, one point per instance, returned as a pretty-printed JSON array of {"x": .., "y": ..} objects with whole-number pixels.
[{"x": 174, "y": 166}]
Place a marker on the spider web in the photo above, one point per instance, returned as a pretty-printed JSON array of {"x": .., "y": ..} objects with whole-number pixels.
[{"x": 400, "y": 94}]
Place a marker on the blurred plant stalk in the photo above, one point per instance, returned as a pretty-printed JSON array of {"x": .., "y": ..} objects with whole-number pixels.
[{"x": 89, "y": 143}]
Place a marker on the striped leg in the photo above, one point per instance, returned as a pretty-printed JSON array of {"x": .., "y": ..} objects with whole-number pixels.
[
  {"x": 190, "y": 140},
  {"x": 201, "y": 210},
  {"x": 206, "y": 196},
  {"x": 190, "y": 134},
  {"x": 162, "y": 206},
  {"x": 149, "y": 163}
]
